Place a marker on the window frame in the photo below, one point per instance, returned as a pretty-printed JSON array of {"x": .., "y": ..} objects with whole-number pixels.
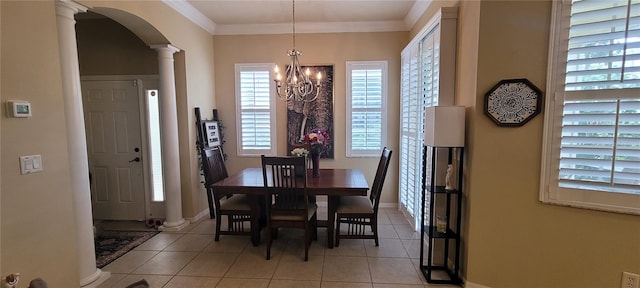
[
  {"x": 551, "y": 192},
  {"x": 366, "y": 65},
  {"x": 242, "y": 151}
]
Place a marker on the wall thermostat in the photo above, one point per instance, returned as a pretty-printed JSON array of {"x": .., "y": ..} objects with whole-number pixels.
[{"x": 18, "y": 108}]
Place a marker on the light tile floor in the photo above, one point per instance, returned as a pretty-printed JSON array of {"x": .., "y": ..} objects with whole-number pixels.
[{"x": 191, "y": 258}]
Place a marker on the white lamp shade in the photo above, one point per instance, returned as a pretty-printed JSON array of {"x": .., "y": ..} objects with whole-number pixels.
[{"x": 444, "y": 126}]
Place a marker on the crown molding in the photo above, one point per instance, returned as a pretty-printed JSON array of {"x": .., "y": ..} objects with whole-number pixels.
[
  {"x": 416, "y": 11},
  {"x": 311, "y": 27},
  {"x": 187, "y": 10}
]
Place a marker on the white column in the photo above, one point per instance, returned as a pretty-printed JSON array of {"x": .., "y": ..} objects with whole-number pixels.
[
  {"x": 169, "y": 136},
  {"x": 90, "y": 276}
]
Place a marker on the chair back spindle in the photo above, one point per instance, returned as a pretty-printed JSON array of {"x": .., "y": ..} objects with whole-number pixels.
[{"x": 286, "y": 199}]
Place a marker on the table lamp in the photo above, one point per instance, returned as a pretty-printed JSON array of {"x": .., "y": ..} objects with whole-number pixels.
[{"x": 444, "y": 126}]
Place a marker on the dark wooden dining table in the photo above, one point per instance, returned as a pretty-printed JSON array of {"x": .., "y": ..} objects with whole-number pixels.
[{"x": 334, "y": 183}]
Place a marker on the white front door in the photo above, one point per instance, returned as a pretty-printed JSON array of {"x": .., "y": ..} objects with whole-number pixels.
[{"x": 112, "y": 119}]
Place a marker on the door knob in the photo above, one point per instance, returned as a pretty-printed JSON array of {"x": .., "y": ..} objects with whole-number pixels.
[{"x": 137, "y": 159}]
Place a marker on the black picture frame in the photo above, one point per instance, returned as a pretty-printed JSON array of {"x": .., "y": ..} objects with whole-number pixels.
[
  {"x": 211, "y": 133},
  {"x": 513, "y": 102}
]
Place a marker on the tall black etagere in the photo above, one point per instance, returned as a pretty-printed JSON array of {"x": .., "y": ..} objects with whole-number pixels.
[{"x": 446, "y": 242}]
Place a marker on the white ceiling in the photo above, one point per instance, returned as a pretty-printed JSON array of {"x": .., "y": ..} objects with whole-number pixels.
[{"x": 226, "y": 17}]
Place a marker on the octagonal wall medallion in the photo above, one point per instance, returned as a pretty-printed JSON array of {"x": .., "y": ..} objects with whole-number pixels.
[{"x": 513, "y": 102}]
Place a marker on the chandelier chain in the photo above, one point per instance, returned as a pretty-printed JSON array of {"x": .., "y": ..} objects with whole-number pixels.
[
  {"x": 297, "y": 84},
  {"x": 294, "y": 23}
]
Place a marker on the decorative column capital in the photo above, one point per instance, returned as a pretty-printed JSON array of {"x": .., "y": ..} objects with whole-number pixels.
[
  {"x": 165, "y": 48},
  {"x": 68, "y": 8}
]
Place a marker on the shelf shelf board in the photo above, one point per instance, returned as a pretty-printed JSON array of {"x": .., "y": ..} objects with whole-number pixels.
[
  {"x": 441, "y": 190},
  {"x": 433, "y": 233}
]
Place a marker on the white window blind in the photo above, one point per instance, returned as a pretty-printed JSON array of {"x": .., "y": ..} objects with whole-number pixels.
[
  {"x": 366, "y": 99},
  {"x": 410, "y": 182},
  {"x": 423, "y": 62},
  {"x": 255, "y": 110},
  {"x": 600, "y": 147},
  {"x": 604, "y": 45},
  {"x": 593, "y": 130},
  {"x": 430, "y": 50}
]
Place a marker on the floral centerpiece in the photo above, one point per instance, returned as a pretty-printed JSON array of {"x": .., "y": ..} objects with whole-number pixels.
[
  {"x": 300, "y": 152},
  {"x": 317, "y": 141}
]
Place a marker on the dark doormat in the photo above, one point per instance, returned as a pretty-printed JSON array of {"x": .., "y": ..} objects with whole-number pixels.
[{"x": 112, "y": 244}]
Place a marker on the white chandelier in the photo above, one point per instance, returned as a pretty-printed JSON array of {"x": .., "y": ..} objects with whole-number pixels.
[{"x": 297, "y": 86}]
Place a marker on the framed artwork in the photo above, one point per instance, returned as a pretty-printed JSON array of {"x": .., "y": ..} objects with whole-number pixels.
[
  {"x": 513, "y": 102},
  {"x": 212, "y": 133},
  {"x": 302, "y": 117}
]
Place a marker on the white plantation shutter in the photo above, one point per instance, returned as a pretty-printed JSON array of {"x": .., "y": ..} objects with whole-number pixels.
[
  {"x": 366, "y": 99},
  {"x": 595, "y": 138},
  {"x": 421, "y": 87},
  {"x": 255, "y": 110},
  {"x": 411, "y": 137},
  {"x": 604, "y": 45},
  {"x": 422, "y": 63},
  {"x": 600, "y": 147},
  {"x": 430, "y": 68}
]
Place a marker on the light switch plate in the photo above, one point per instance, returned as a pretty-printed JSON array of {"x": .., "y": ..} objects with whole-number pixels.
[{"x": 30, "y": 164}]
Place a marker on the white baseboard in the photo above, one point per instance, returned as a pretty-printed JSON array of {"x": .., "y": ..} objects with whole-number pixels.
[
  {"x": 389, "y": 205},
  {"x": 204, "y": 213}
]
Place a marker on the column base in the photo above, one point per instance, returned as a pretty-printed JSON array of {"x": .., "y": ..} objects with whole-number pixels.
[
  {"x": 95, "y": 279},
  {"x": 174, "y": 226}
]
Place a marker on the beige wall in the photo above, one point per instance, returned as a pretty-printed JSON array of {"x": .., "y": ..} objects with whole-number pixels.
[
  {"x": 513, "y": 240},
  {"x": 333, "y": 49},
  {"x": 38, "y": 228},
  {"x": 38, "y": 222}
]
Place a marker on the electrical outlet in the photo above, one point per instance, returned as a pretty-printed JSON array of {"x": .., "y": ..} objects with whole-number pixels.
[{"x": 630, "y": 280}]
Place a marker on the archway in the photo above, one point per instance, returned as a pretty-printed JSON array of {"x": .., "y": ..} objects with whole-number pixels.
[{"x": 65, "y": 10}]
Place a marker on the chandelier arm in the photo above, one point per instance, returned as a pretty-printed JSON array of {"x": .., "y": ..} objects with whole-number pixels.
[
  {"x": 282, "y": 95},
  {"x": 315, "y": 96},
  {"x": 297, "y": 84}
]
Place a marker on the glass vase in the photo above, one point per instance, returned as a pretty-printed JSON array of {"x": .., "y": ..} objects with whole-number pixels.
[{"x": 315, "y": 163}]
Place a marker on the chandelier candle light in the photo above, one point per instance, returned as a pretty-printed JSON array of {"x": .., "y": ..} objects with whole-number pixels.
[{"x": 297, "y": 86}]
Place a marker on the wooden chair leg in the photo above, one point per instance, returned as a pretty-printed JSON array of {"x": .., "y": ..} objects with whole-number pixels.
[
  {"x": 337, "y": 236},
  {"x": 374, "y": 228},
  {"x": 269, "y": 243},
  {"x": 307, "y": 242},
  {"x": 218, "y": 223},
  {"x": 315, "y": 227},
  {"x": 212, "y": 213}
]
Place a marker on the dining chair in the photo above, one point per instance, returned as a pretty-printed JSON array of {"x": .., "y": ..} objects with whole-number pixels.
[
  {"x": 235, "y": 207},
  {"x": 287, "y": 203},
  {"x": 360, "y": 212}
]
